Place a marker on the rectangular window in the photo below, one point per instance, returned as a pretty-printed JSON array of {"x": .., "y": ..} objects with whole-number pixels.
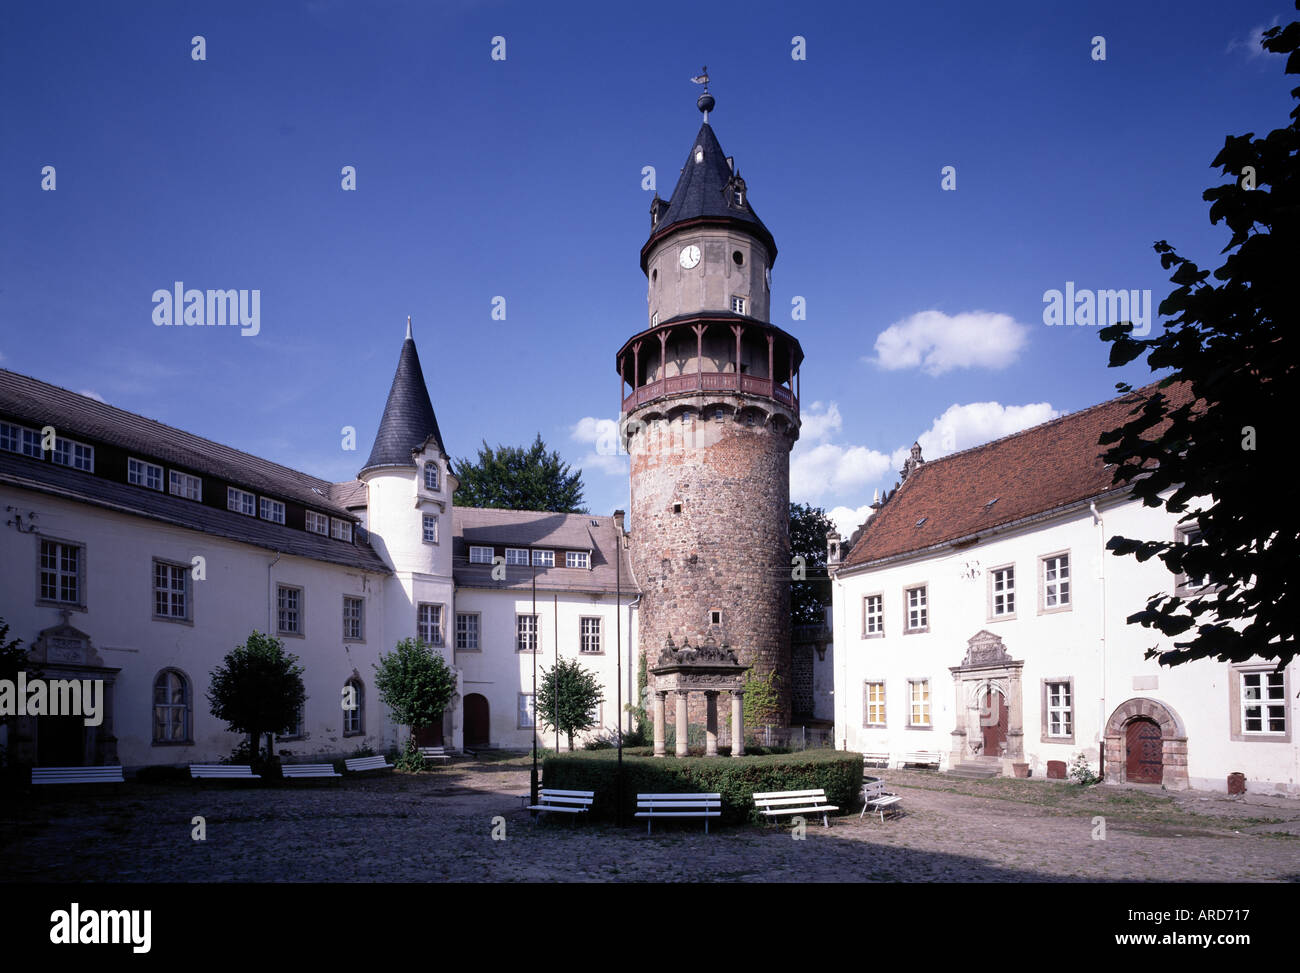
[
  {"x": 272, "y": 510},
  {"x": 873, "y": 704},
  {"x": 1002, "y": 584},
  {"x": 526, "y": 633},
  {"x": 341, "y": 530},
  {"x": 590, "y": 630},
  {"x": 60, "y": 572},
  {"x": 738, "y": 305},
  {"x": 1056, "y": 581},
  {"x": 919, "y": 690},
  {"x": 353, "y": 618},
  {"x": 317, "y": 523},
  {"x": 20, "y": 439},
  {"x": 289, "y": 605},
  {"x": 431, "y": 476},
  {"x": 918, "y": 609},
  {"x": 526, "y": 715},
  {"x": 516, "y": 555},
  {"x": 467, "y": 631},
  {"x": 873, "y": 616},
  {"x": 352, "y": 717},
  {"x": 170, "y": 590},
  {"x": 140, "y": 473},
  {"x": 69, "y": 452},
  {"x": 430, "y": 624},
  {"x": 1263, "y": 703},
  {"x": 430, "y": 529},
  {"x": 577, "y": 559},
  {"x": 480, "y": 555},
  {"x": 1060, "y": 710},
  {"x": 544, "y": 559},
  {"x": 1189, "y": 583},
  {"x": 241, "y": 502},
  {"x": 298, "y": 729},
  {"x": 184, "y": 485}
]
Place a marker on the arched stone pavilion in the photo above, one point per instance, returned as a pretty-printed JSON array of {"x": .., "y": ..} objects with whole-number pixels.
[{"x": 710, "y": 669}]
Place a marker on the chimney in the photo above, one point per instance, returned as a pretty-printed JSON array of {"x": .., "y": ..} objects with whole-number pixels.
[{"x": 618, "y": 521}]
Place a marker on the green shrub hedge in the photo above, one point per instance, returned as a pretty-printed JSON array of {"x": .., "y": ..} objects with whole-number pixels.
[{"x": 838, "y": 772}]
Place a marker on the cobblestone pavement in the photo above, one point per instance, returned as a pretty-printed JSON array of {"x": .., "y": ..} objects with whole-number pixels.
[{"x": 438, "y": 827}]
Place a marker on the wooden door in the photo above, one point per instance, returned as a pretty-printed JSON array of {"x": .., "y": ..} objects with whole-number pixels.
[
  {"x": 993, "y": 723},
  {"x": 478, "y": 726},
  {"x": 1145, "y": 752}
]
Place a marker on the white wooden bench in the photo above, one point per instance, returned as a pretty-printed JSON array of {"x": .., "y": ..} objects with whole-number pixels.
[
  {"x": 309, "y": 770},
  {"x": 920, "y": 757},
  {"x": 78, "y": 775},
  {"x": 876, "y": 798},
  {"x": 651, "y": 806},
  {"x": 224, "y": 771},
  {"x": 357, "y": 765},
  {"x": 777, "y": 803},
  {"x": 565, "y": 802},
  {"x": 875, "y": 759},
  {"x": 434, "y": 753}
]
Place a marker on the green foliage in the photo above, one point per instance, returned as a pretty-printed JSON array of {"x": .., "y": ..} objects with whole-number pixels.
[
  {"x": 415, "y": 683},
  {"x": 13, "y": 659},
  {"x": 257, "y": 689},
  {"x": 511, "y": 478},
  {"x": 1081, "y": 772},
  {"x": 409, "y": 759},
  {"x": 737, "y": 780},
  {"x": 760, "y": 698},
  {"x": 810, "y": 596},
  {"x": 1235, "y": 343},
  {"x": 567, "y": 697},
  {"x": 642, "y": 732}
]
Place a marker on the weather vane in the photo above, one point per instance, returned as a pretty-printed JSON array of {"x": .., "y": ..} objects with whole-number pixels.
[
  {"x": 705, "y": 102},
  {"x": 703, "y": 78}
]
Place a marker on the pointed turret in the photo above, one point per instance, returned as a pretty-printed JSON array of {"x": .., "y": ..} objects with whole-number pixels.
[{"x": 408, "y": 421}]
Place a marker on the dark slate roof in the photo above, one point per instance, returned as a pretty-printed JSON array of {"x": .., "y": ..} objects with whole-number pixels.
[
  {"x": 61, "y": 481},
  {"x": 1035, "y": 471},
  {"x": 408, "y": 415},
  {"x": 701, "y": 194},
  {"x": 531, "y": 528},
  {"x": 81, "y": 417},
  {"x": 351, "y": 494}
]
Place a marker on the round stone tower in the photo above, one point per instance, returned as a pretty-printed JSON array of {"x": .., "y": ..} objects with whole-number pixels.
[{"x": 710, "y": 411}]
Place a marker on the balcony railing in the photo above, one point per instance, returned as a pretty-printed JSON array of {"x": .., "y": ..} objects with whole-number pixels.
[{"x": 710, "y": 382}]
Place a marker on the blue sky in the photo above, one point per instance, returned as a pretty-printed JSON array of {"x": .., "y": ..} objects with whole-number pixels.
[{"x": 521, "y": 178}]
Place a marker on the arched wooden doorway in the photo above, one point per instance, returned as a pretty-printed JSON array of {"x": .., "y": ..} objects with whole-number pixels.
[
  {"x": 993, "y": 722},
  {"x": 1143, "y": 751},
  {"x": 1146, "y": 742},
  {"x": 478, "y": 724}
]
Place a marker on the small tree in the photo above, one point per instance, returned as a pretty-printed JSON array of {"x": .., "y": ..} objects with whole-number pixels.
[
  {"x": 257, "y": 689},
  {"x": 567, "y": 697},
  {"x": 511, "y": 478},
  {"x": 810, "y": 587},
  {"x": 416, "y": 684}
]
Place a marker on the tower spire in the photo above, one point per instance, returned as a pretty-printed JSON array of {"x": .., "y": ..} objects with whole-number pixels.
[
  {"x": 408, "y": 327},
  {"x": 705, "y": 102}
]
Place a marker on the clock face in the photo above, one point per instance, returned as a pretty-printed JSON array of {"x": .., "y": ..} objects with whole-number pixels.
[{"x": 690, "y": 256}]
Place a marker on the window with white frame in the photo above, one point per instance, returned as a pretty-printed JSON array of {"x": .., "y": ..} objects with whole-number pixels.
[
  {"x": 527, "y": 716},
  {"x": 171, "y": 707},
  {"x": 919, "y": 712},
  {"x": 590, "y": 633},
  {"x": 430, "y": 529},
  {"x": 526, "y": 629},
  {"x": 873, "y": 703},
  {"x": 353, "y": 725},
  {"x": 738, "y": 305},
  {"x": 288, "y": 600},
  {"x": 544, "y": 559},
  {"x": 431, "y": 476},
  {"x": 1263, "y": 703},
  {"x": 1059, "y": 710},
  {"x": 1056, "y": 582},
  {"x": 272, "y": 510},
  {"x": 171, "y": 595},
  {"x": 353, "y": 619},
  {"x": 467, "y": 626},
  {"x": 20, "y": 439},
  {"x": 516, "y": 555},
  {"x": 317, "y": 523},
  {"x": 185, "y": 485},
  {"x": 480, "y": 555},
  {"x": 918, "y": 608},
  {"x": 140, "y": 473},
  {"x": 69, "y": 452},
  {"x": 341, "y": 530},
  {"x": 1186, "y": 582},
  {"x": 241, "y": 502},
  {"x": 873, "y": 616},
  {"x": 61, "y": 567},
  {"x": 1002, "y": 589},
  {"x": 429, "y": 625},
  {"x": 577, "y": 559}
]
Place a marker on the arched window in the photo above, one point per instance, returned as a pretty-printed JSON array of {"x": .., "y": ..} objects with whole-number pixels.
[
  {"x": 353, "y": 723},
  {"x": 171, "y": 707}
]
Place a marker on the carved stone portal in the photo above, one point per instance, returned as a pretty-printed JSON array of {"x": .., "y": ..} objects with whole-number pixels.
[{"x": 990, "y": 707}]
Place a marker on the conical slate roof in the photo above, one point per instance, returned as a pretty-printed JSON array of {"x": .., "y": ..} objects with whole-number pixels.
[{"x": 408, "y": 415}]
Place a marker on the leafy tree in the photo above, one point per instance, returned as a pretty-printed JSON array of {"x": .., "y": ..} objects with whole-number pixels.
[
  {"x": 567, "y": 697},
  {"x": 415, "y": 683},
  {"x": 810, "y": 594},
  {"x": 511, "y": 478},
  {"x": 257, "y": 689},
  {"x": 13, "y": 659},
  {"x": 1225, "y": 455}
]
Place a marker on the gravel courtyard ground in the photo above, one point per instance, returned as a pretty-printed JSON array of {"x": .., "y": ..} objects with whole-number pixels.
[{"x": 438, "y": 826}]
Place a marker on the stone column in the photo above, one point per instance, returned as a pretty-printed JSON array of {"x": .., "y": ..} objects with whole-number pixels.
[
  {"x": 710, "y": 722},
  {"x": 737, "y": 723},
  {"x": 660, "y": 721},
  {"x": 682, "y": 694}
]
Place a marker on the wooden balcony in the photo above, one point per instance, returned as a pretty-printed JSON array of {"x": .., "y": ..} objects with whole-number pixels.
[{"x": 711, "y": 382}]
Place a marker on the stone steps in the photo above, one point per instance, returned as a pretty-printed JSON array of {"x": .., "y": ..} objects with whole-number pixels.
[{"x": 973, "y": 771}]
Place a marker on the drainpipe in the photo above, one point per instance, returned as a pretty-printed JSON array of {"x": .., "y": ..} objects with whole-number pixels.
[
  {"x": 1101, "y": 578},
  {"x": 270, "y": 601}
]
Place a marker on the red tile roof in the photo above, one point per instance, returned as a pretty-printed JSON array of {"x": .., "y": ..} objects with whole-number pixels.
[{"x": 1030, "y": 472}]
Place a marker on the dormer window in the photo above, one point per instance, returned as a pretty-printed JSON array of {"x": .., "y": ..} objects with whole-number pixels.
[
  {"x": 699, "y": 154},
  {"x": 431, "y": 476}
]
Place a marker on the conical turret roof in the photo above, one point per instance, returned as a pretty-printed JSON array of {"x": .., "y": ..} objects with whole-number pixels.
[{"x": 408, "y": 415}]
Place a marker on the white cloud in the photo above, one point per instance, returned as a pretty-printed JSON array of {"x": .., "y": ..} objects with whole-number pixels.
[
  {"x": 819, "y": 422},
  {"x": 1250, "y": 43},
  {"x": 848, "y": 519},
  {"x": 825, "y": 468},
  {"x": 604, "y": 454},
  {"x": 963, "y": 426},
  {"x": 92, "y": 395},
  {"x": 937, "y": 343}
]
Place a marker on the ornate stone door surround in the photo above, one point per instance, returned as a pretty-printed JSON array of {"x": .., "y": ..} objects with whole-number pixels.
[
  {"x": 987, "y": 667},
  {"x": 1173, "y": 735}
]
